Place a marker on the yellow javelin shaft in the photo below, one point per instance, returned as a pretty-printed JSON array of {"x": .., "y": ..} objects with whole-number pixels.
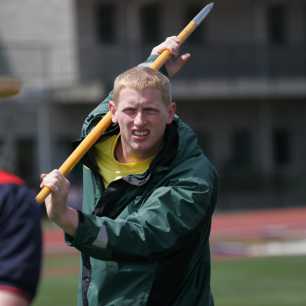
[{"x": 106, "y": 121}]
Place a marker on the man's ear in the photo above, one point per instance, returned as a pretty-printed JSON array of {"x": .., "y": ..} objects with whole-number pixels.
[
  {"x": 112, "y": 108},
  {"x": 171, "y": 112}
]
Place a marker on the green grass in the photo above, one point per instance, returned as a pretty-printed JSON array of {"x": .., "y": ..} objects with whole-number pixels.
[
  {"x": 275, "y": 281},
  {"x": 59, "y": 281}
]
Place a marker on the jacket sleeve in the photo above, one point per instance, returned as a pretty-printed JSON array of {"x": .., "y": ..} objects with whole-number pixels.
[
  {"x": 169, "y": 215},
  {"x": 20, "y": 241}
]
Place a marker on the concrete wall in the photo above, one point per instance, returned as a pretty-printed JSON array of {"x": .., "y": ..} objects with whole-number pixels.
[
  {"x": 235, "y": 40},
  {"x": 39, "y": 38}
]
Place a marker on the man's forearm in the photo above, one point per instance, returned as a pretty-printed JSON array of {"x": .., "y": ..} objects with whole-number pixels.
[{"x": 69, "y": 221}]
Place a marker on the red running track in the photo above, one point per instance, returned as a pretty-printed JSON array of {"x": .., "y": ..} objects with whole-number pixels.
[{"x": 259, "y": 224}]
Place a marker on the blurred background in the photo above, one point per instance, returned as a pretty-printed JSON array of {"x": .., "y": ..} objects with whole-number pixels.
[{"x": 243, "y": 92}]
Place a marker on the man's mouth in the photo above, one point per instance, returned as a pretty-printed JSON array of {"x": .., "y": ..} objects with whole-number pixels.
[{"x": 140, "y": 133}]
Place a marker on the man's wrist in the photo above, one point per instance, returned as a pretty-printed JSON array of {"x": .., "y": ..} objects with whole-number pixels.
[{"x": 68, "y": 221}]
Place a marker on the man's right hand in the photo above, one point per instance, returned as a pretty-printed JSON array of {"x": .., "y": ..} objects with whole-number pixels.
[
  {"x": 178, "y": 60},
  {"x": 56, "y": 203}
]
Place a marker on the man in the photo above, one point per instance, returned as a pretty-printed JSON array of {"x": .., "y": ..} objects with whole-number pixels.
[
  {"x": 149, "y": 195},
  {"x": 20, "y": 242}
]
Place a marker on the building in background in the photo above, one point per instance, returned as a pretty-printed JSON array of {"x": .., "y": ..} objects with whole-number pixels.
[{"x": 244, "y": 91}]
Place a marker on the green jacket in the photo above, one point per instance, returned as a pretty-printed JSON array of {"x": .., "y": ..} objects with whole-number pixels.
[{"x": 145, "y": 240}]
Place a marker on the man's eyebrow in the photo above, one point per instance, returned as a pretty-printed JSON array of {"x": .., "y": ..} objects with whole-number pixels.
[
  {"x": 131, "y": 104},
  {"x": 151, "y": 107}
]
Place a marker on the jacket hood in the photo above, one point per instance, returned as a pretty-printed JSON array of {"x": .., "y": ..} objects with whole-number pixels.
[{"x": 96, "y": 115}]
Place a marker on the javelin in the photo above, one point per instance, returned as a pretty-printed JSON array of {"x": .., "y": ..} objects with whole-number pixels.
[{"x": 106, "y": 121}]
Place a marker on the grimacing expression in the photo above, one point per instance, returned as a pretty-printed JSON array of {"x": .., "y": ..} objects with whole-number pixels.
[{"x": 142, "y": 117}]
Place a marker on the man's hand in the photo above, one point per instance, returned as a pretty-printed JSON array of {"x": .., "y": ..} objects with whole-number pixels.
[
  {"x": 177, "y": 61},
  {"x": 56, "y": 202}
]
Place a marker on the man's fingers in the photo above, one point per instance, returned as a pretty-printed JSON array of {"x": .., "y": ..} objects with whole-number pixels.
[
  {"x": 186, "y": 57},
  {"x": 171, "y": 43},
  {"x": 51, "y": 182},
  {"x": 54, "y": 180},
  {"x": 183, "y": 59}
]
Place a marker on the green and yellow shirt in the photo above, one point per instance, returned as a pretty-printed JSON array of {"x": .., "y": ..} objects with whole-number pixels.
[{"x": 109, "y": 168}]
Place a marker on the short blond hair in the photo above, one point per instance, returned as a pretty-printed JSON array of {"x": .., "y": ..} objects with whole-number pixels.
[{"x": 140, "y": 78}]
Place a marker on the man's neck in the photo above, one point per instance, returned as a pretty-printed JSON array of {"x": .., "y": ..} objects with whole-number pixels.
[
  {"x": 119, "y": 156},
  {"x": 122, "y": 156}
]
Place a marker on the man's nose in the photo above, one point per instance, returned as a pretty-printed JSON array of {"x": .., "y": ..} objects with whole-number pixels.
[{"x": 139, "y": 119}]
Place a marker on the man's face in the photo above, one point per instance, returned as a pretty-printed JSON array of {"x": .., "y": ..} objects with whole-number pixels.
[{"x": 142, "y": 117}]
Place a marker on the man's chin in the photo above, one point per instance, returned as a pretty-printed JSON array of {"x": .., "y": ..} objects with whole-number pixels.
[{"x": 141, "y": 150}]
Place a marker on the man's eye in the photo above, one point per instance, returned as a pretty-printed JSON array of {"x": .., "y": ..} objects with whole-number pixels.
[
  {"x": 151, "y": 111},
  {"x": 129, "y": 111}
]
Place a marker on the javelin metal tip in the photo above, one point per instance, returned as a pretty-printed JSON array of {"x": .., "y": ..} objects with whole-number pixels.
[{"x": 203, "y": 13}]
